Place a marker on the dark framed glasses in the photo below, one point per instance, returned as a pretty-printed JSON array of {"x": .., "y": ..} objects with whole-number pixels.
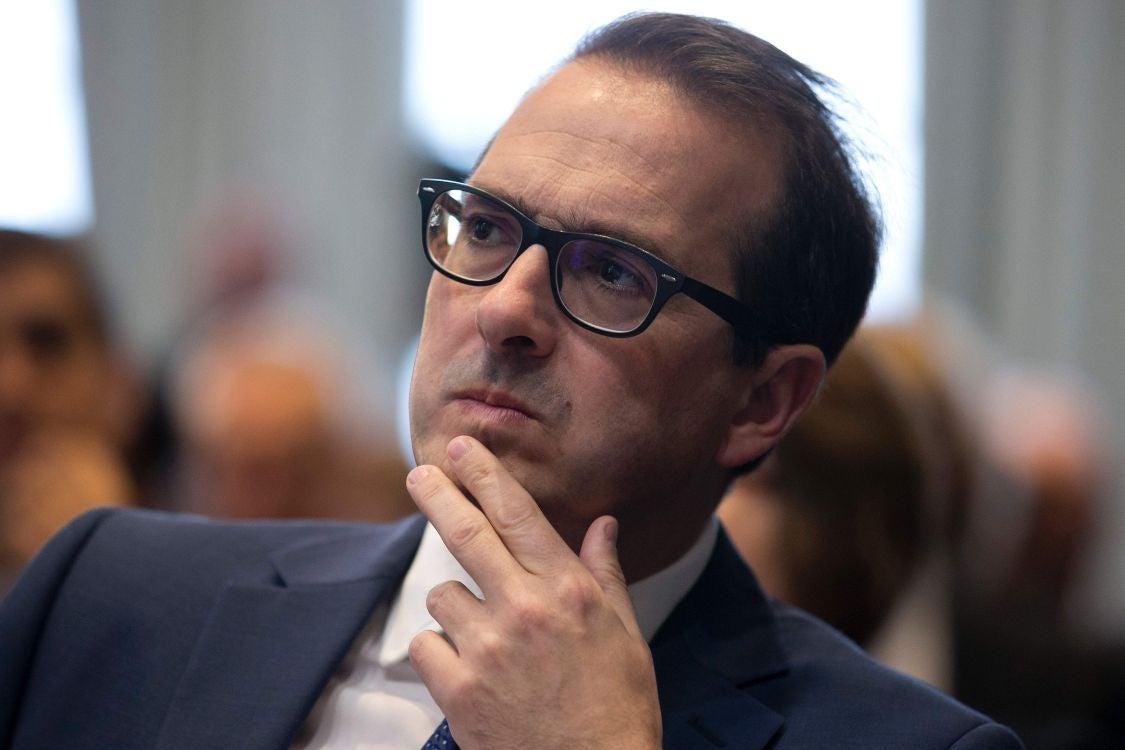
[{"x": 602, "y": 284}]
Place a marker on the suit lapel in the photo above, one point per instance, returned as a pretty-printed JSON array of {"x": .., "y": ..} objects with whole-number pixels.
[
  {"x": 268, "y": 649},
  {"x": 722, "y": 637}
]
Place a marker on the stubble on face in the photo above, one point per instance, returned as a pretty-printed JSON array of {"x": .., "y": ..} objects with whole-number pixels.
[
  {"x": 629, "y": 427},
  {"x": 526, "y": 380}
]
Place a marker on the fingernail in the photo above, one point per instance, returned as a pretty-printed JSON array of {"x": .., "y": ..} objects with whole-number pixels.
[
  {"x": 611, "y": 531},
  {"x": 457, "y": 448},
  {"x": 417, "y": 474}
]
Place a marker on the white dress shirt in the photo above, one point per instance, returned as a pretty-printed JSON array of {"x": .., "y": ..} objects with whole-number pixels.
[{"x": 376, "y": 701}]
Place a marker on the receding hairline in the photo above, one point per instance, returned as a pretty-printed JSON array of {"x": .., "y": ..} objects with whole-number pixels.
[
  {"x": 775, "y": 143},
  {"x": 820, "y": 247}
]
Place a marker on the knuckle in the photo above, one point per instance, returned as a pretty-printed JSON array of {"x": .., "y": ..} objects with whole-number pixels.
[
  {"x": 490, "y": 645},
  {"x": 428, "y": 488},
  {"x": 478, "y": 475},
  {"x": 440, "y": 596},
  {"x": 465, "y": 533},
  {"x": 510, "y": 515},
  {"x": 576, "y": 593},
  {"x": 418, "y": 651},
  {"x": 580, "y": 599},
  {"x": 529, "y": 613}
]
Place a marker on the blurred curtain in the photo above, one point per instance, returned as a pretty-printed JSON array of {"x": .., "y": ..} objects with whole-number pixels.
[{"x": 1025, "y": 199}]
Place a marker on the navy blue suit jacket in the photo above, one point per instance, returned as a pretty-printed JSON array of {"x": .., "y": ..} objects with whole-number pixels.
[{"x": 145, "y": 630}]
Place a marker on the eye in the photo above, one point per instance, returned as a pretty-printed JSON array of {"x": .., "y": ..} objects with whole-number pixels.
[
  {"x": 607, "y": 268},
  {"x": 46, "y": 338},
  {"x": 612, "y": 272},
  {"x": 486, "y": 231}
]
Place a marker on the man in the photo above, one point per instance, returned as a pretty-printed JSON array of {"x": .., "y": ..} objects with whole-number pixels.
[
  {"x": 66, "y": 405},
  {"x": 566, "y": 401}
]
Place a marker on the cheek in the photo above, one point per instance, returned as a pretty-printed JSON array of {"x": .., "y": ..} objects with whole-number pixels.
[
  {"x": 681, "y": 377},
  {"x": 75, "y": 390},
  {"x": 685, "y": 396},
  {"x": 447, "y": 328},
  {"x": 424, "y": 398},
  {"x": 638, "y": 402},
  {"x": 446, "y": 325},
  {"x": 449, "y": 318}
]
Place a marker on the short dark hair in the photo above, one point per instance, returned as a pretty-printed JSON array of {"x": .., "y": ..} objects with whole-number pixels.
[
  {"x": 69, "y": 255},
  {"x": 807, "y": 268}
]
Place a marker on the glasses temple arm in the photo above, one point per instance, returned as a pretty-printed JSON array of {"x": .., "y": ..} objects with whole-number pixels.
[{"x": 725, "y": 306}]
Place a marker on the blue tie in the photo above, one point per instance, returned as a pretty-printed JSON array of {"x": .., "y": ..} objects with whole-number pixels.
[{"x": 441, "y": 739}]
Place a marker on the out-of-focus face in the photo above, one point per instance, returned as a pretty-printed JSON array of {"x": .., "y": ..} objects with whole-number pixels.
[
  {"x": 591, "y": 424},
  {"x": 54, "y": 369}
]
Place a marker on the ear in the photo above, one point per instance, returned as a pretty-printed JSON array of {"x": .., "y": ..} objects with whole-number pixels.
[{"x": 777, "y": 392}]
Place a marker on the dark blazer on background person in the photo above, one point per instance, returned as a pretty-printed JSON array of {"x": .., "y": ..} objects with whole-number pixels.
[{"x": 140, "y": 629}]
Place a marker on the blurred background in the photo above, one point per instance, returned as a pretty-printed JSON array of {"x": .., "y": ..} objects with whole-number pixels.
[{"x": 242, "y": 176}]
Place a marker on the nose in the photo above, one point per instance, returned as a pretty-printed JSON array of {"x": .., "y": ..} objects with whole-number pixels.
[{"x": 518, "y": 314}]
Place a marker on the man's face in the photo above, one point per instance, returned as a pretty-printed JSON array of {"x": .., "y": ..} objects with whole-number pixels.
[
  {"x": 54, "y": 370},
  {"x": 591, "y": 424}
]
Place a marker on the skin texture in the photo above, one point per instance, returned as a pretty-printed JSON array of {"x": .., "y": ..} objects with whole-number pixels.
[
  {"x": 582, "y": 420},
  {"x": 560, "y": 427},
  {"x": 512, "y": 654}
]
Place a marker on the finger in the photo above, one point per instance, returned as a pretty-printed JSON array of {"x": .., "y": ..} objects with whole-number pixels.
[
  {"x": 437, "y": 663},
  {"x": 465, "y": 530},
  {"x": 515, "y": 515},
  {"x": 599, "y": 555},
  {"x": 455, "y": 609}
]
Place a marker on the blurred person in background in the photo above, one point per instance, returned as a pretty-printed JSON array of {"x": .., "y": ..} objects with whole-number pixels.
[
  {"x": 941, "y": 528},
  {"x": 860, "y": 498},
  {"x": 261, "y": 406},
  {"x": 271, "y": 407},
  {"x": 1044, "y": 433},
  {"x": 1019, "y": 651},
  {"x": 68, "y": 404},
  {"x": 238, "y": 256},
  {"x": 1038, "y": 453}
]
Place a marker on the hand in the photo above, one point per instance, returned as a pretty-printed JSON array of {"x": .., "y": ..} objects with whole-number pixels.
[{"x": 553, "y": 656}]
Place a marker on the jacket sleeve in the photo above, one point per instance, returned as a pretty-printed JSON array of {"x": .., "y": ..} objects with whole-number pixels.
[
  {"x": 26, "y": 608},
  {"x": 988, "y": 736}
]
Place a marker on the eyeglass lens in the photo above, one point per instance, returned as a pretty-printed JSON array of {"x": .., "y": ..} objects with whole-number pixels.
[{"x": 476, "y": 239}]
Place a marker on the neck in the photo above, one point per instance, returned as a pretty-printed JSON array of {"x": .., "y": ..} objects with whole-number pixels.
[{"x": 646, "y": 551}]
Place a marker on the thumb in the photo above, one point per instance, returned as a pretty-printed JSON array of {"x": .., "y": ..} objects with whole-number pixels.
[{"x": 599, "y": 556}]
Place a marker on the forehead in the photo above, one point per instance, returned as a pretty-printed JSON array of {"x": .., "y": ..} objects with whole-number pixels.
[
  {"x": 596, "y": 148},
  {"x": 36, "y": 288}
]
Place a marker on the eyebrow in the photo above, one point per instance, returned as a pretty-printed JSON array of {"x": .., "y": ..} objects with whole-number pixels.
[{"x": 575, "y": 223}]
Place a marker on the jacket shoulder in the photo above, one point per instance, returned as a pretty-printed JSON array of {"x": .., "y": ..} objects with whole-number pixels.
[
  {"x": 843, "y": 692},
  {"x": 155, "y": 551},
  {"x": 116, "y": 602}
]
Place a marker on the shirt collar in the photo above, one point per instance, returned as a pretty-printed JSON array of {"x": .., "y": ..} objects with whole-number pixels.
[{"x": 654, "y": 598}]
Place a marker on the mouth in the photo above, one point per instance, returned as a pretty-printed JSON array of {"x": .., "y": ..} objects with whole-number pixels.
[{"x": 494, "y": 406}]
